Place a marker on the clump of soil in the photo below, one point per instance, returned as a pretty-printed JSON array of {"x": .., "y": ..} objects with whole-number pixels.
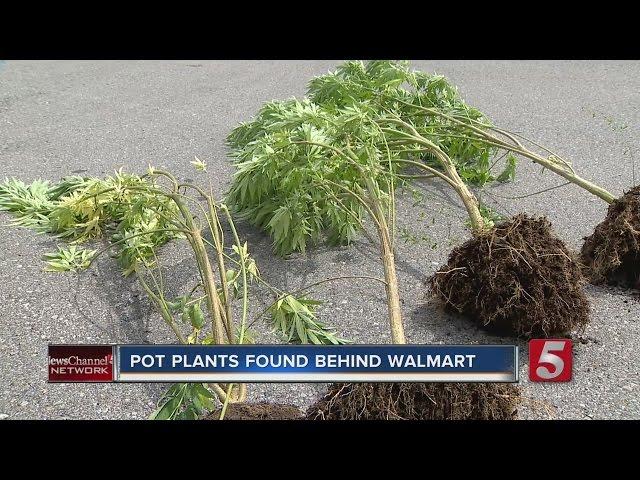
[
  {"x": 417, "y": 401},
  {"x": 611, "y": 254},
  {"x": 259, "y": 411},
  {"x": 517, "y": 279}
]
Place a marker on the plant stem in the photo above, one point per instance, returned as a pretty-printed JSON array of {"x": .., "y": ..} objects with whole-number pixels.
[
  {"x": 214, "y": 226},
  {"x": 388, "y": 262},
  {"x": 567, "y": 174},
  {"x": 552, "y": 165},
  {"x": 226, "y": 402},
  {"x": 242, "y": 388},
  {"x": 373, "y": 205},
  {"x": 208, "y": 280},
  {"x": 468, "y": 198},
  {"x": 393, "y": 297},
  {"x": 206, "y": 272},
  {"x": 162, "y": 307}
]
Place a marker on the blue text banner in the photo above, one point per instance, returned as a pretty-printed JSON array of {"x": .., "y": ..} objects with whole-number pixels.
[{"x": 317, "y": 363}]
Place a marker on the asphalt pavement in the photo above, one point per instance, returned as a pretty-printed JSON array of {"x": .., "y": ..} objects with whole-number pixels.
[{"x": 92, "y": 117}]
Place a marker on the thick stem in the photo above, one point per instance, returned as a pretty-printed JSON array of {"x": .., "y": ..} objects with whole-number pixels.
[
  {"x": 468, "y": 198},
  {"x": 219, "y": 391},
  {"x": 214, "y": 226},
  {"x": 393, "y": 297},
  {"x": 208, "y": 280},
  {"x": 388, "y": 262},
  {"x": 242, "y": 393},
  {"x": 375, "y": 210}
]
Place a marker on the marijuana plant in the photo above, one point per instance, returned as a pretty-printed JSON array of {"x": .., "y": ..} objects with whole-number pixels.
[
  {"x": 138, "y": 214},
  {"x": 276, "y": 185},
  {"x": 327, "y": 163}
]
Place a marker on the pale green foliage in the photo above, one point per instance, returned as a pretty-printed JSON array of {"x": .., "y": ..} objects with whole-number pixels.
[
  {"x": 139, "y": 215},
  {"x": 79, "y": 209},
  {"x": 294, "y": 319},
  {"x": 199, "y": 164},
  {"x": 68, "y": 259},
  {"x": 291, "y": 184},
  {"x": 31, "y": 204}
]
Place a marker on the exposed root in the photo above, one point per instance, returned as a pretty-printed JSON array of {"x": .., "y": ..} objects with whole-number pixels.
[
  {"x": 612, "y": 253},
  {"x": 417, "y": 401},
  {"x": 517, "y": 279}
]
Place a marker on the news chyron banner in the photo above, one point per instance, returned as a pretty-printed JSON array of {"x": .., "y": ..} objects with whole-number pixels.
[{"x": 283, "y": 363}]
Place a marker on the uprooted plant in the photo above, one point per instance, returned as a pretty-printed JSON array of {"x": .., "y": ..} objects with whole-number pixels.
[
  {"x": 513, "y": 278},
  {"x": 475, "y": 145},
  {"x": 305, "y": 170},
  {"x": 612, "y": 253},
  {"x": 138, "y": 214},
  {"x": 366, "y": 113}
]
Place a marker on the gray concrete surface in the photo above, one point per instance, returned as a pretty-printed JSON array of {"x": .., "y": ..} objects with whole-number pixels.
[{"x": 94, "y": 117}]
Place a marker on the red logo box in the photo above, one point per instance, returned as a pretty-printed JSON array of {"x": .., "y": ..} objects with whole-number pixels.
[
  {"x": 80, "y": 363},
  {"x": 550, "y": 360}
]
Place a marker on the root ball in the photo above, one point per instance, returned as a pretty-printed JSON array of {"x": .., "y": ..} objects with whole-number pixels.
[
  {"x": 517, "y": 279},
  {"x": 611, "y": 254},
  {"x": 417, "y": 401}
]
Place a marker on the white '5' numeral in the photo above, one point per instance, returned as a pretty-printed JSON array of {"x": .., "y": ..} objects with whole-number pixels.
[{"x": 553, "y": 359}]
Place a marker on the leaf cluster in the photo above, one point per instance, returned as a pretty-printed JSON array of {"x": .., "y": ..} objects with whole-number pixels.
[
  {"x": 295, "y": 321},
  {"x": 302, "y": 162},
  {"x": 68, "y": 259},
  {"x": 125, "y": 207},
  {"x": 184, "y": 401}
]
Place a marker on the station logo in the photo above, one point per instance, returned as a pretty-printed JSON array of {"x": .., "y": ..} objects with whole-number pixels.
[
  {"x": 80, "y": 363},
  {"x": 550, "y": 360}
]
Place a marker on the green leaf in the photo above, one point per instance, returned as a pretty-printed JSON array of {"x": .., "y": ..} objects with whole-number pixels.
[
  {"x": 294, "y": 319},
  {"x": 509, "y": 172},
  {"x": 231, "y": 275},
  {"x": 68, "y": 259},
  {"x": 203, "y": 391},
  {"x": 166, "y": 411},
  {"x": 196, "y": 316}
]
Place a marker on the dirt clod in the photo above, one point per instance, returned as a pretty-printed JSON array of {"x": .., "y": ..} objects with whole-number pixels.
[
  {"x": 417, "y": 401},
  {"x": 517, "y": 279},
  {"x": 259, "y": 411},
  {"x": 611, "y": 254}
]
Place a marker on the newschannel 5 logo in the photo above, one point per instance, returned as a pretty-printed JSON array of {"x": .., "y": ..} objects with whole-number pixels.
[
  {"x": 80, "y": 363},
  {"x": 550, "y": 360}
]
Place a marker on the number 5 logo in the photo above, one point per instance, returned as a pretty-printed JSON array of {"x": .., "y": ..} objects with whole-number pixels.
[{"x": 550, "y": 360}]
